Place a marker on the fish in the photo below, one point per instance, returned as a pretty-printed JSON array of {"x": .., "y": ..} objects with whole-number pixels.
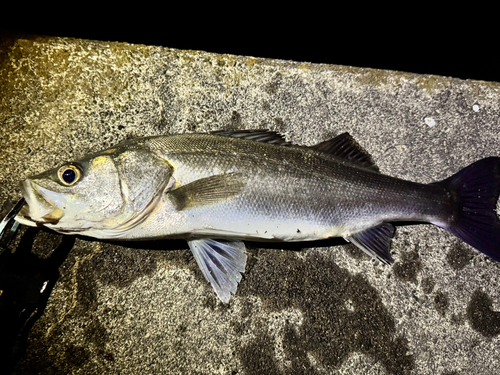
[{"x": 218, "y": 189}]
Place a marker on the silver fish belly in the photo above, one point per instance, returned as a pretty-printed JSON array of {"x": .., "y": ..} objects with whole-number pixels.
[{"x": 215, "y": 190}]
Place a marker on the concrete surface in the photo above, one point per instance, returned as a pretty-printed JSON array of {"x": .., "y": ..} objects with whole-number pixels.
[{"x": 326, "y": 309}]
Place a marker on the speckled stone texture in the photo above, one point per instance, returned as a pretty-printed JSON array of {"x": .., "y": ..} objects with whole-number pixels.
[{"x": 318, "y": 308}]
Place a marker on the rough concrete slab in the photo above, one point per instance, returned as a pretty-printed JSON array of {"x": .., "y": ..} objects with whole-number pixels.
[{"x": 326, "y": 309}]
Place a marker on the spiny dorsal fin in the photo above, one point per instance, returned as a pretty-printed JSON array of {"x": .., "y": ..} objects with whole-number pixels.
[
  {"x": 208, "y": 190},
  {"x": 345, "y": 147},
  {"x": 257, "y": 135}
]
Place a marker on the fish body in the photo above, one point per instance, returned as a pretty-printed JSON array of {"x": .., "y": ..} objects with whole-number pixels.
[
  {"x": 215, "y": 190},
  {"x": 281, "y": 193}
]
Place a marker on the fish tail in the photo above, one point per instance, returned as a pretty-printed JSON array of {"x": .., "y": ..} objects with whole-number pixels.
[{"x": 475, "y": 190}]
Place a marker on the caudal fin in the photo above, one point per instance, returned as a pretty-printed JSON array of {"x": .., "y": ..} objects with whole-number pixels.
[{"x": 476, "y": 189}]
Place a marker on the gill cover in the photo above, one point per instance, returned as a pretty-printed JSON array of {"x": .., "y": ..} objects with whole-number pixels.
[{"x": 143, "y": 178}]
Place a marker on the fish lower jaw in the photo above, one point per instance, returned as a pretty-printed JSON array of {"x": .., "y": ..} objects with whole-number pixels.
[
  {"x": 21, "y": 219},
  {"x": 38, "y": 208},
  {"x": 27, "y": 217}
]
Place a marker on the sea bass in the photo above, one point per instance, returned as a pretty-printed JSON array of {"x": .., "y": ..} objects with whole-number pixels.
[{"x": 215, "y": 190}]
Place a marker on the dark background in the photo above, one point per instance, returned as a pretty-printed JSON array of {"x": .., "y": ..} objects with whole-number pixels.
[{"x": 440, "y": 41}]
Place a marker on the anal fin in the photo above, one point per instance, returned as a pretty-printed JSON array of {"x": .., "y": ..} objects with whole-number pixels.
[
  {"x": 221, "y": 262},
  {"x": 375, "y": 242}
]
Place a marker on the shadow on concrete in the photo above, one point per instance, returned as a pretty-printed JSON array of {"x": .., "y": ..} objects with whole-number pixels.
[{"x": 26, "y": 282}]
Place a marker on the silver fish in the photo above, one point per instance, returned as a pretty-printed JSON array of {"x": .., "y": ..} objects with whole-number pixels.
[{"x": 215, "y": 190}]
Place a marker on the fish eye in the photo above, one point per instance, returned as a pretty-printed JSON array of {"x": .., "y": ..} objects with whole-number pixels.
[{"x": 69, "y": 174}]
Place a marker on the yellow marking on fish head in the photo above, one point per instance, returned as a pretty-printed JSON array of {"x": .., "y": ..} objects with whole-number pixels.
[
  {"x": 109, "y": 151},
  {"x": 99, "y": 161}
]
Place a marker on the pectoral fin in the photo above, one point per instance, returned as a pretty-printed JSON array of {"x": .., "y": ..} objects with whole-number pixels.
[
  {"x": 375, "y": 242},
  {"x": 208, "y": 190},
  {"x": 222, "y": 263}
]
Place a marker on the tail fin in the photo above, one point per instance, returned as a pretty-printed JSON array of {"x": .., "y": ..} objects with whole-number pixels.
[{"x": 476, "y": 189}]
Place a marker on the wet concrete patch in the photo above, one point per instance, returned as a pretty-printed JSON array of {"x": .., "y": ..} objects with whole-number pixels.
[
  {"x": 481, "y": 316},
  {"x": 427, "y": 284},
  {"x": 441, "y": 302},
  {"x": 87, "y": 265},
  {"x": 257, "y": 358},
  {"x": 121, "y": 266},
  {"x": 408, "y": 267},
  {"x": 342, "y": 313},
  {"x": 459, "y": 256}
]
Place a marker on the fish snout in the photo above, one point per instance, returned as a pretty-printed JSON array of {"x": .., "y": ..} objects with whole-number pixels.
[{"x": 41, "y": 203}]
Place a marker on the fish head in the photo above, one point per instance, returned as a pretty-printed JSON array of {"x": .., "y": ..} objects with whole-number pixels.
[{"x": 102, "y": 195}]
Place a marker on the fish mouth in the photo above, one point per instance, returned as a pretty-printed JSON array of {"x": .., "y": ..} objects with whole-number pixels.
[{"x": 39, "y": 208}]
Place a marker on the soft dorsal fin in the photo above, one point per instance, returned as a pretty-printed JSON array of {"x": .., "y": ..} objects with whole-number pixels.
[
  {"x": 257, "y": 135},
  {"x": 345, "y": 147}
]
